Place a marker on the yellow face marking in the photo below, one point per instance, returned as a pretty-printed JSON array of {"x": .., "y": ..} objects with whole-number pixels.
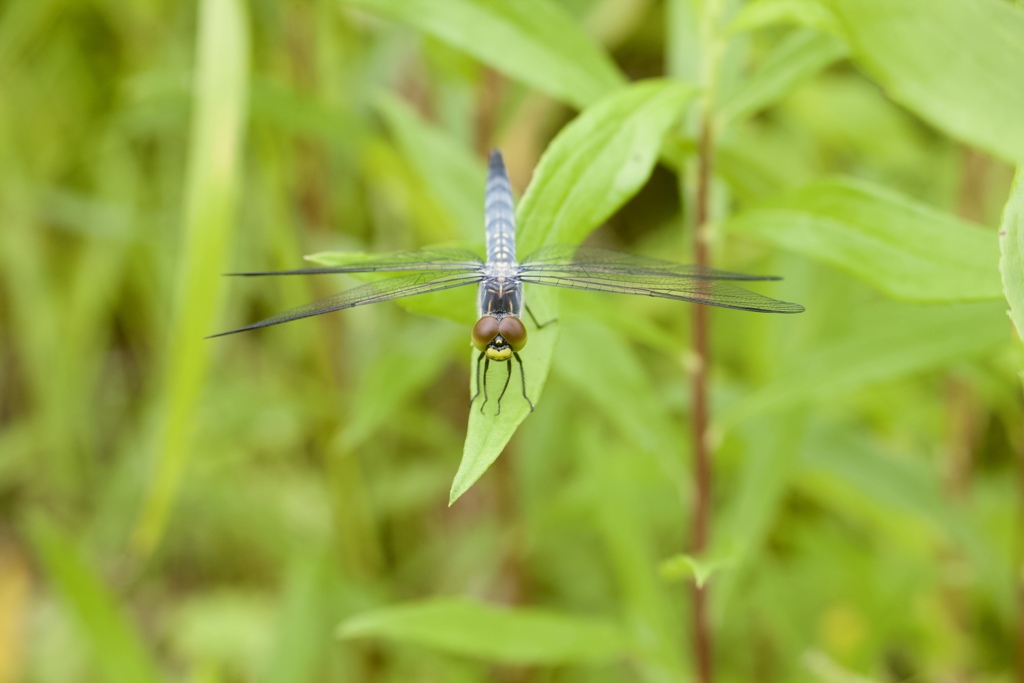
[{"x": 499, "y": 354}]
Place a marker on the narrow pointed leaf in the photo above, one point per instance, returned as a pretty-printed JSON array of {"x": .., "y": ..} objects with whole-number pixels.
[
  {"x": 590, "y": 169},
  {"x": 909, "y": 48},
  {"x": 390, "y": 380},
  {"x": 1011, "y": 242},
  {"x": 524, "y": 636},
  {"x": 600, "y": 160},
  {"x": 617, "y": 511},
  {"x": 218, "y": 127},
  {"x": 893, "y": 341},
  {"x": 766, "y": 13},
  {"x": 532, "y": 41},
  {"x": 116, "y": 647},
  {"x": 606, "y": 372},
  {"x": 906, "y": 249},
  {"x": 303, "y": 628},
  {"x": 453, "y": 174},
  {"x": 803, "y": 54},
  {"x": 451, "y": 304}
]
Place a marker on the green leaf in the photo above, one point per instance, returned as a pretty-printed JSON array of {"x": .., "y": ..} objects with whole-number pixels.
[
  {"x": 606, "y": 311},
  {"x": 758, "y": 497},
  {"x": 454, "y": 175},
  {"x": 683, "y": 566},
  {"x": 888, "y": 484},
  {"x": 1011, "y": 244},
  {"x": 903, "y": 248},
  {"x": 600, "y": 160},
  {"x": 524, "y": 636},
  {"x": 456, "y": 178},
  {"x": 338, "y": 127},
  {"x": 384, "y": 168},
  {"x": 303, "y": 634},
  {"x": 591, "y": 168},
  {"x": 683, "y": 41},
  {"x": 221, "y": 81},
  {"x": 894, "y": 340},
  {"x": 909, "y": 48},
  {"x": 455, "y": 304},
  {"x": 801, "y": 55},
  {"x": 607, "y": 373},
  {"x": 488, "y": 433},
  {"x": 532, "y": 41},
  {"x": 767, "y": 13},
  {"x": 119, "y": 652},
  {"x": 618, "y": 511},
  {"x": 386, "y": 386},
  {"x": 849, "y": 472}
]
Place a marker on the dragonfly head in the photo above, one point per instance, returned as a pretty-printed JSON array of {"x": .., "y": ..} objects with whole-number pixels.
[{"x": 499, "y": 338}]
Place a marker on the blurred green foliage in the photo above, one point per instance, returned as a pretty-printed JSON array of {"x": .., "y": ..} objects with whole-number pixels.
[{"x": 274, "y": 506}]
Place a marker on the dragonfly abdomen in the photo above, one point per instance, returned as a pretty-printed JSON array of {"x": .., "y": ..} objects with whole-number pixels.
[{"x": 499, "y": 213}]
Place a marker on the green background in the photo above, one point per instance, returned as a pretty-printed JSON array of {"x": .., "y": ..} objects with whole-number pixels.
[{"x": 275, "y": 506}]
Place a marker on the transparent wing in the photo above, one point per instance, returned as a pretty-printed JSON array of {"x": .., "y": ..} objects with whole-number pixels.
[
  {"x": 695, "y": 290},
  {"x": 384, "y": 290},
  {"x": 446, "y": 259},
  {"x": 566, "y": 260}
]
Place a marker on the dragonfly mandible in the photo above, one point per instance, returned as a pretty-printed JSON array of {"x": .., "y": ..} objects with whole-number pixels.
[{"x": 499, "y": 334}]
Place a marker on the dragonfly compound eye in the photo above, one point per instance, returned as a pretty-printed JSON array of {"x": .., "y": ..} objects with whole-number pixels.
[
  {"x": 484, "y": 331},
  {"x": 514, "y": 332}
]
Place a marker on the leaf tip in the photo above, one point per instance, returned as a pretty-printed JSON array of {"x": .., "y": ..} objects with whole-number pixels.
[
  {"x": 455, "y": 493},
  {"x": 680, "y": 567}
]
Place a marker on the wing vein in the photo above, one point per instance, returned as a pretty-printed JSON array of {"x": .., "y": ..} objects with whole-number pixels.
[
  {"x": 374, "y": 292},
  {"x": 708, "y": 292},
  {"x": 452, "y": 260},
  {"x": 567, "y": 260}
]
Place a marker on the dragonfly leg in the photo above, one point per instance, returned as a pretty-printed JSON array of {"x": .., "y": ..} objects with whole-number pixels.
[
  {"x": 539, "y": 326},
  {"x": 478, "y": 359},
  {"x": 522, "y": 375},
  {"x": 507, "y": 378},
  {"x": 487, "y": 364}
]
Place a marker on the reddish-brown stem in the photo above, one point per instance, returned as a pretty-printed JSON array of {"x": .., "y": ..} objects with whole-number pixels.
[
  {"x": 1017, "y": 578},
  {"x": 702, "y": 644},
  {"x": 1016, "y": 438}
]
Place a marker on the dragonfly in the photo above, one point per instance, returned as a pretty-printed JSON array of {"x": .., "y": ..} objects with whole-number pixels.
[{"x": 500, "y": 334}]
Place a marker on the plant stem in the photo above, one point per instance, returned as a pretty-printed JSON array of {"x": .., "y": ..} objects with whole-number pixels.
[
  {"x": 1017, "y": 578},
  {"x": 702, "y": 643},
  {"x": 696, "y": 42}
]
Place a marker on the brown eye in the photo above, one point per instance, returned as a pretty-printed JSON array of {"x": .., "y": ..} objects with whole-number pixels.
[
  {"x": 513, "y": 331},
  {"x": 484, "y": 331}
]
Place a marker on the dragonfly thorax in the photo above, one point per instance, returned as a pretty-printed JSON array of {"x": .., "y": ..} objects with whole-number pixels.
[{"x": 500, "y": 337}]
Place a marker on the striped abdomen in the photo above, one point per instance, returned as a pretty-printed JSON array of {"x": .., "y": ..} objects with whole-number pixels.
[{"x": 499, "y": 213}]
